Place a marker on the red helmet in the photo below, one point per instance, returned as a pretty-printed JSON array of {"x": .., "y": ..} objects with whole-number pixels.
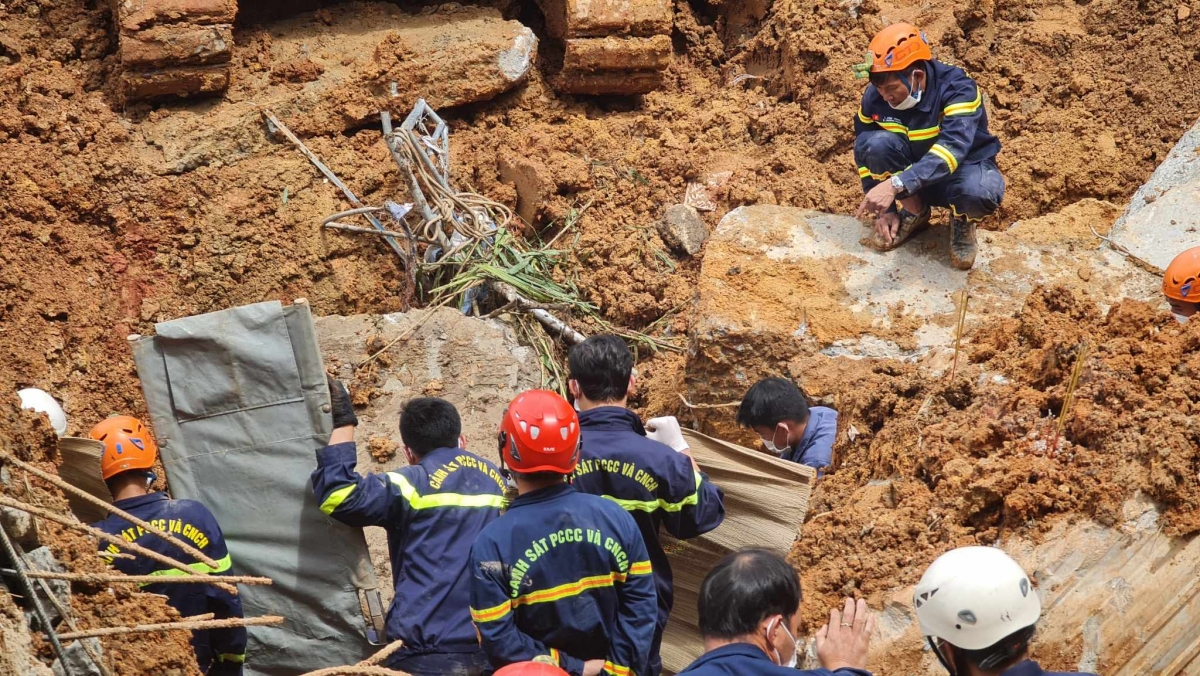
[
  {"x": 127, "y": 445},
  {"x": 530, "y": 669},
  {"x": 540, "y": 433}
]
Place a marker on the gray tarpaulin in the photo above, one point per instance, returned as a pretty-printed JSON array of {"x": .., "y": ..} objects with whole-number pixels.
[
  {"x": 238, "y": 401},
  {"x": 766, "y": 500}
]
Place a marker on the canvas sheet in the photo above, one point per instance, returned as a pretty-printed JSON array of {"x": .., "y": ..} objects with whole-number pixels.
[
  {"x": 239, "y": 404},
  {"x": 766, "y": 500}
]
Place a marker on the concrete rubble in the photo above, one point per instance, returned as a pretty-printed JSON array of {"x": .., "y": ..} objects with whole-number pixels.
[
  {"x": 683, "y": 230},
  {"x": 77, "y": 659},
  {"x": 477, "y": 365},
  {"x": 1161, "y": 219},
  {"x": 175, "y": 47}
]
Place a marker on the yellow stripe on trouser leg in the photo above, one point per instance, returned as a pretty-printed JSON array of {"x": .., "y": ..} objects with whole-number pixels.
[
  {"x": 616, "y": 669},
  {"x": 230, "y": 657}
]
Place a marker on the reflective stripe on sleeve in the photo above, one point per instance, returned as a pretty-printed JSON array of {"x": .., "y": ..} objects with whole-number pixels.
[
  {"x": 641, "y": 568},
  {"x": 616, "y": 669},
  {"x": 491, "y": 614},
  {"x": 230, "y": 657},
  {"x": 433, "y": 500},
  {"x": 966, "y": 107},
  {"x": 336, "y": 499},
  {"x": 945, "y": 155}
]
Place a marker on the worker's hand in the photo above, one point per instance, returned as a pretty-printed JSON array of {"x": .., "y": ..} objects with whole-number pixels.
[
  {"x": 878, "y": 200},
  {"x": 665, "y": 430},
  {"x": 843, "y": 642},
  {"x": 339, "y": 404},
  {"x": 886, "y": 226},
  {"x": 593, "y": 667}
]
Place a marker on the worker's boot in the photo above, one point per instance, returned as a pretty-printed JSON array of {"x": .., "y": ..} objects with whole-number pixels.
[
  {"x": 910, "y": 224},
  {"x": 962, "y": 243}
]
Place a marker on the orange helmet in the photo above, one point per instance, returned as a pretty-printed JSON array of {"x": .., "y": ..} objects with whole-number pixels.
[
  {"x": 540, "y": 433},
  {"x": 127, "y": 445},
  {"x": 530, "y": 669},
  {"x": 897, "y": 47},
  {"x": 1180, "y": 279}
]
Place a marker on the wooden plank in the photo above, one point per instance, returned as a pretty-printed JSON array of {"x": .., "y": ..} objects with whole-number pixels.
[
  {"x": 622, "y": 82},
  {"x": 176, "y": 82}
]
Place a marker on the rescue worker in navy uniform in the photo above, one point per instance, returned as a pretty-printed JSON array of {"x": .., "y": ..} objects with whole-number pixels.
[
  {"x": 750, "y": 619},
  {"x": 779, "y": 413},
  {"x": 432, "y": 509},
  {"x": 978, "y": 611},
  {"x": 562, "y": 576},
  {"x": 922, "y": 138},
  {"x": 657, "y": 484},
  {"x": 126, "y": 467}
]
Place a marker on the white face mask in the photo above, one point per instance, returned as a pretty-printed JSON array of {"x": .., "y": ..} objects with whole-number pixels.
[
  {"x": 912, "y": 100},
  {"x": 769, "y": 444},
  {"x": 1179, "y": 318},
  {"x": 791, "y": 664}
]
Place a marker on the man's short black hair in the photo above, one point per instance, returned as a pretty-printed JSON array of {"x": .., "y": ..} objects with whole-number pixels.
[
  {"x": 602, "y": 365},
  {"x": 879, "y": 79},
  {"x": 429, "y": 423},
  {"x": 745, "y": 588},
  {"x": 771, "y": 401}
]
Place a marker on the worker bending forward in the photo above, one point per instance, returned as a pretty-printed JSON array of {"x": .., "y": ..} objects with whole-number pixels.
[
  {"x": 561, "y": 574},
  {"x": 656, "y": 484},
  {"x": 432, "y": 510},
  {"x": 127, "y": 468},
  {"x": 922, "y": 138}
]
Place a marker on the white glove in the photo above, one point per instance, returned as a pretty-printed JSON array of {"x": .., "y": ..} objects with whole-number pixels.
[{"x": 665, "y": 430}]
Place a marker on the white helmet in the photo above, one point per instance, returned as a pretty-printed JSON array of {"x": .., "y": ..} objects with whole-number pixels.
[
  {"x": 974, "y": 597},
  {"x": 38, "y": 400}
]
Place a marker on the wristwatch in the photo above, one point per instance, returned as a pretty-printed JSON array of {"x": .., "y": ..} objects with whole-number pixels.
[{"x": 898, "y": 185}]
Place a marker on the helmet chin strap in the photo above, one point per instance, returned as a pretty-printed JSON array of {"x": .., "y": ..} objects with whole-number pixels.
[{"x": 941, "y": 658}]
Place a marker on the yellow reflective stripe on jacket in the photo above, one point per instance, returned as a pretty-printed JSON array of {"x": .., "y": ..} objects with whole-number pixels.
[
  {"x": 230, "y": 657},
  {"x": 336, "y": 499},
  {"x": 651, "y": 505},
  {"x": 641, "y": 568},
  {"x": 616, "y": 669},
  {"x": 911, "y": 134},
  {"x": 569, "y": 589},
  {"x": 557, "y": 659},
  {"x": 222, "y": 566},
  {"x": 923, "y": 134},
  {"x": 966, "y": 107},
  {"x": 491, "y": 614},
  {"x": 418, "y": 501},
  {"x": 946, "y": 156},
  {"x": 863, "y": 118}
]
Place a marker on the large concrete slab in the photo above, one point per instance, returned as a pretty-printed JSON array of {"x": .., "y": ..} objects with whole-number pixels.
[
  {"x": 1162, "y": 218},
  {"x": 475, "y": 364},
  {"x": 778, "y": 283}
]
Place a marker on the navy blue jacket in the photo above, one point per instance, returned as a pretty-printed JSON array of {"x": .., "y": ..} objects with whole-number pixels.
[
  {"x": 432, "y": 512},
  {"x": 816, "y": 445},
  {"x": 947, "y": 128},
  {"x": 566, "y": 575},
  {"x": 224, "y": 650},
  {"x": 1031, "y": 668},
  {"x": 651, "y": 481},
  {"x": 743, "y": 659}
]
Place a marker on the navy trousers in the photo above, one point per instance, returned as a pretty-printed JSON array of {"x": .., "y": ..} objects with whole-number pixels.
[
  {"x": 442, "y": 664},
  {"x": 972, "y": 192}
]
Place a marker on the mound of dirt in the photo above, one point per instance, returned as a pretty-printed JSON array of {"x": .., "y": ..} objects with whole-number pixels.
[{"x": 922, "y": 467}]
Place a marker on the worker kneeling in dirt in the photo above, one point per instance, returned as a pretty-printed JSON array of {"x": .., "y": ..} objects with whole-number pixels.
[
  {"x": 432, "y": 510},
  {"x": 978, "y": 611},
  {"x": 126, "y": 467},
  {"x": 1181, "y": 284},
  {"x": 561, "y": 574},
  {"x": 922, "y": 138},
  {"x": 654, "y": 479},
  {"x": 750, "y": 618},
  {"x": 778, "y": 412}
]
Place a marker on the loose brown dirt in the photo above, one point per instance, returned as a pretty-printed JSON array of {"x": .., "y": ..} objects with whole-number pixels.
[
  {"x": 99, "y": 238},
  {"x": 937, "y": 464}
]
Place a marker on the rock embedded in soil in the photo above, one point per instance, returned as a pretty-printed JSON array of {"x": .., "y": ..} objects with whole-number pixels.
[
  {"x": 1161, "y": 219},
  {"x": 683, "y": 230},
  {"x": 77, "y": 659}
]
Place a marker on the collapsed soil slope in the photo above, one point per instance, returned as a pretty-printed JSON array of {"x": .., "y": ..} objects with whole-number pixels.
[{"x": 932, "y": 465}]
